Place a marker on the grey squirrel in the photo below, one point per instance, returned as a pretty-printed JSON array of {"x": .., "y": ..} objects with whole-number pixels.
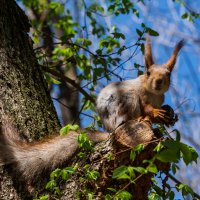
[{"x": 140, "y": 98}]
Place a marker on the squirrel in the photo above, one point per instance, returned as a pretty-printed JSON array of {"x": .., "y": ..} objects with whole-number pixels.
[
  {"x": 119, "y": 102},
  {"x": 30, "y": 160},
  {"x": 140, "y": 98}
]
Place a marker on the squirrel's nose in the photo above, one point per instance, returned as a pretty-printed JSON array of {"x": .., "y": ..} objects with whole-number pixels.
[{"x": 159, "y": 81}]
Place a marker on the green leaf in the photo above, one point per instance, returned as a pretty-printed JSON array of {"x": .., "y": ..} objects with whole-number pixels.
[
  {"x": 139, "y": 148},
  {"x": 154, "y": 196},
  {"x": 124, "y": 176},
  {"x": 112, "y": 189},
  {"x": 131, "y": 172},
  {"x": 152, "y": 168},
  {"x": 98, "y": 71},
  {"x": 171, "y": 195},
  {"x": 88, "y": 105},
  {"x": 64, "y": 174},
  {"x": 51, "y": 80},
  {"x": 92, "y": 175},
  {"x": 132, "y": 155},
  {"x": 123, "y": 195},
  {"x": 174, "y": 167},
  {"x": 142, "y": 48},
  {"x": 139, "y": 32},
  {"x": 185, "y": 189},
  {"x": 121, "y": 49},
  {"x": 136, "y": 12},
  {"x": 84, "y": 142},
  {"x": 119, "y": 172},
  {"x": 172, "y": 153},
  {"x": 158, "y": 147},
  {"x": 158, "y": 190},
  {"x": 87, "y": 42},
  {"x": 70, "y": 170},
  {"x": 54, "y": 174},
  {"x": 103, "y": 43},
  {"x": 171, "y": 144},
  {"x": 168, "y": 155},
  {"x": 69, "y": 127},
  {"x": 51, "y": 185},
  {"x": 109, "y": 156},
  {"x": 143, "y": 25},
  {"x": 119, "y": 35},
  {"x": 95, "y": 7},
  {"x": 140, "y": 170},
  {"x": 178, "y": 135},
  {"x": 90, "y": 196},
  {"x": 56, "y": 191},
  {"x": 184, "y": 16},
  {"x": 189, "y": 154},
  {"x": 152, "y": 32},
  {"x": 108, "y": 197},
  {"x": 45, "y": 197},
  {"x": 57, "y": 6}
]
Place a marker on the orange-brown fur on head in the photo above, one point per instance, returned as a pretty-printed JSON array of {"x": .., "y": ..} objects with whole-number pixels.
[
  {"x": 157, "y": 77},
  {"x": 157, "y": 80}
]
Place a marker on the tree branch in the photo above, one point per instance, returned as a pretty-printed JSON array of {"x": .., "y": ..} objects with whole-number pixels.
[
  {"x": 178, "y": 182},
  {"x": 70, "y": 81}
]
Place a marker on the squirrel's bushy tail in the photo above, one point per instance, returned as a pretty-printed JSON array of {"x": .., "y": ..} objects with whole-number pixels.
[{"x": 32, "y": 159}]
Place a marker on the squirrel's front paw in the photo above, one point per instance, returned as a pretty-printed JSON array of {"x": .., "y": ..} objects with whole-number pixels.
[
  {"x": 165, "y": 115},
  {"x": 160, "y": 116}
]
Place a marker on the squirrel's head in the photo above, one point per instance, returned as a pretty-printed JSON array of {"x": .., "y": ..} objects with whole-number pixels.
[{"x": 157, "y": 77}]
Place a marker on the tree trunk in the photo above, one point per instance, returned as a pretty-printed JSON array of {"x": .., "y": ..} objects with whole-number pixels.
[{"x": 24, "y": 95}]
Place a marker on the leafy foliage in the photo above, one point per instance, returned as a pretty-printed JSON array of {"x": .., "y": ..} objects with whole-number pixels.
[
  {"x": 69, "y": 127},
  {"x": 84, "y": 142},
  {"x": 175, "y": 150}
]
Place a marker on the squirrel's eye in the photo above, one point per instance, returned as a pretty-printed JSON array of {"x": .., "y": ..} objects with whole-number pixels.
[{"x": 148, "y": 73}]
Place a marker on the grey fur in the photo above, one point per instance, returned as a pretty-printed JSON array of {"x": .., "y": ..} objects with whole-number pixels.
[{"x": 32, "y": 159}]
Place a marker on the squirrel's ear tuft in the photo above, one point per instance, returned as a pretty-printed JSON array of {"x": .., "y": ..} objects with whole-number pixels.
[
  {"x": 148, "y": 58},
  {"x": 172, "y": 61}
]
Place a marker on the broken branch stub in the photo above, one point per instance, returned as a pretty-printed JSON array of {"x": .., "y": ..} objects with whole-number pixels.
[{"x": 132, "y": 133}]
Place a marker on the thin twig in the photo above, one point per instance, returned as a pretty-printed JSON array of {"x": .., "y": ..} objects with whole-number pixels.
[
  {"x": 129, "y": 184},
  {"x": 87, "y": 50},
  {"x": 178, "y": 182},
  {"x": 70, "y": 81},
  {"x": 60, "y": 102},
  {"x": 81, "y": 113}
]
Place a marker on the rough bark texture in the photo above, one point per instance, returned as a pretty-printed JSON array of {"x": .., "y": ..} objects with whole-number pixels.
[{"x": 23, "y": 93}]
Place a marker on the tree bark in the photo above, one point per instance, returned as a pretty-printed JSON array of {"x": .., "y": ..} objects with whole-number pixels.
[{"x": 24, "y": 97}]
